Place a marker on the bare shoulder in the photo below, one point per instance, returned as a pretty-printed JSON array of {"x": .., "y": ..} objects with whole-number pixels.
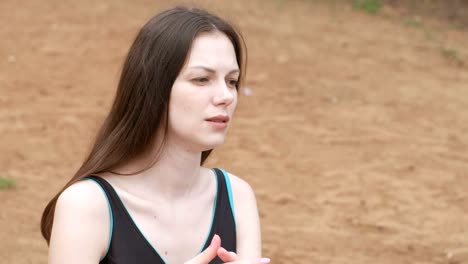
[
  {"x": 81, "y": 227},
  {"x": 243, "y": 197},
  {"x": 85, "y": 195},
  {"x": 240, "y": 186}
]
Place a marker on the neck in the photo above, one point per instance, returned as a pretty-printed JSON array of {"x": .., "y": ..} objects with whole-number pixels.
[{"x": 175, "y": 175}]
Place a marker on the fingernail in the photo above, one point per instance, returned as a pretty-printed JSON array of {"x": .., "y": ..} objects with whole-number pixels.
[{"x": 265, "y": 260}]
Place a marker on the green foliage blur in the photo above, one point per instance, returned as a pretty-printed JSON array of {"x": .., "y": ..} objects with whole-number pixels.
[
  {"x": 370, "y": 6},
  {"x": 6, "y": 183}
]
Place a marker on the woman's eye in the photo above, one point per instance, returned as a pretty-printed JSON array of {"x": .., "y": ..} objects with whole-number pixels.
[
  {"x": 233, "y": 83},
  {"x": 201, "y": 80}
]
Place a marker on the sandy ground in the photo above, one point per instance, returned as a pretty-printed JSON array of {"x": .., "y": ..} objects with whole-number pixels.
[{"x": 354, "y": 137}]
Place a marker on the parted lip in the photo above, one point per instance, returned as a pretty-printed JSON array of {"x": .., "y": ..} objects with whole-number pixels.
[{"x": 219, "y": 118}]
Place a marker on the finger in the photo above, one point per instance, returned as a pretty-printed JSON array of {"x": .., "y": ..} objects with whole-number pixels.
[
  {"x": 225, "y": 255},
  {"x": 208, "y": 254},
  {"x": 256, "y": 261}
]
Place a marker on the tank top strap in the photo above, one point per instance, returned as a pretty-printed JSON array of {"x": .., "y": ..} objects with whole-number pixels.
[
  {"x": 112, "y": 196},
  {"x": 224, "y": 221}
]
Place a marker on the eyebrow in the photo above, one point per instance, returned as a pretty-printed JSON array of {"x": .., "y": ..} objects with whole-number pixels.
[{"x": 211, "y": 70}]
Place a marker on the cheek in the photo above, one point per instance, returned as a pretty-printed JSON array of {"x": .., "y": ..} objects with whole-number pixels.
[
  {"x": 182, "y": 110},
  {"x": 187, "y": 109},
  {"x": 234, "y": 101},
  {"x": 180, "y": 98}
]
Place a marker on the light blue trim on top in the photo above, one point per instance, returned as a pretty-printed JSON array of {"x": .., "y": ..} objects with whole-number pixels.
[
  {"x": 214, "y": 210},
  {"x": 229, "y": 189},
  {"x": 110, "y": 214}
]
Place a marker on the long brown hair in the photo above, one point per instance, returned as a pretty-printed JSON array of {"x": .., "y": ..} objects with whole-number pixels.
[{"x": 153, "y": 62}]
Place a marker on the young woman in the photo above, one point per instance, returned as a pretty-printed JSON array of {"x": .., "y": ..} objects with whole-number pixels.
[{"x": 142, "y": 195}]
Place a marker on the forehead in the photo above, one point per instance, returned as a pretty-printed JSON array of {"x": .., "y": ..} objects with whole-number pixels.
[{"x": 213, "y": 50}]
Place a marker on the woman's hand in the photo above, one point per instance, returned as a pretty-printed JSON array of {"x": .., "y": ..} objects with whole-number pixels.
[
  {"x": 229, "y": 257},
  {"x": 226, "y": 256},
  {"x": 208, "y": 254}
]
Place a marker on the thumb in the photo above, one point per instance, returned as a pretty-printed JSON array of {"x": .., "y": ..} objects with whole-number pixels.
[
  {"x": 208, "y": 254},
  {"x": 226, "y": 256}
]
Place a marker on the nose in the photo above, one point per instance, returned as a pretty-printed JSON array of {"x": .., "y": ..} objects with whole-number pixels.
[{"x": 224, "y": 94}]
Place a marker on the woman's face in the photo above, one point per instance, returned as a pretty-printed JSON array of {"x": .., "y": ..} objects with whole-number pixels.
[{"x": 204, "y": 95}]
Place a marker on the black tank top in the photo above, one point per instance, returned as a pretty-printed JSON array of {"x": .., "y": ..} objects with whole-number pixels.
[{"x": 128, "y": 245}]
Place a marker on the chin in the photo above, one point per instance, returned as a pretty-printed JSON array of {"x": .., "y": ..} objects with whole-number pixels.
[{"x": 213, "y": 143}]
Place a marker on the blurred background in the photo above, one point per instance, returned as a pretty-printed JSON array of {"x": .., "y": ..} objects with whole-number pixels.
[{"x": 352, "y": 128}]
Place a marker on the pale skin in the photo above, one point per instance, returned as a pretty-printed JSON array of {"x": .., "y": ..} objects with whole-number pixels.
[{"x": 172, "y": 201}]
